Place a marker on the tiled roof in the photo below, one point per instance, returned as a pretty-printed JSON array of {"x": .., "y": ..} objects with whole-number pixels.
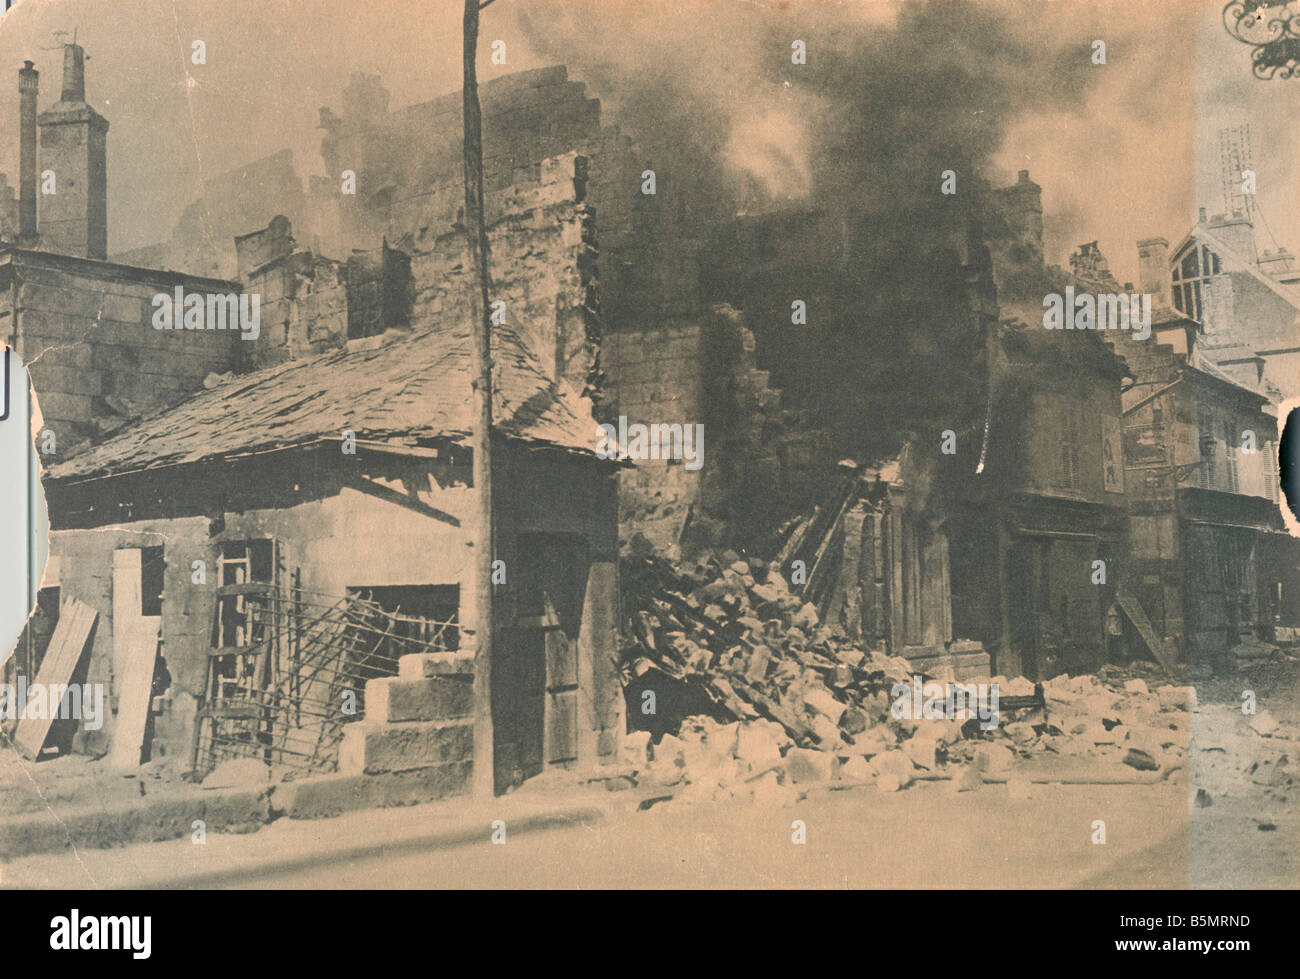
[{"x": 412, "y": 387}]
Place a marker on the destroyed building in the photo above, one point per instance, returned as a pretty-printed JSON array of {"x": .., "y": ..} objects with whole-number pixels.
[
  {"x": 273, "y": 519},
  {"x": 260, "y": 525}
]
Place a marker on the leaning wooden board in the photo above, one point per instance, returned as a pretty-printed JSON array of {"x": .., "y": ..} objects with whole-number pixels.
[
  {"x": 141, "y": 654},
  {"x": 76, "y": 620},
  {"x": 1138, "y": 616}
]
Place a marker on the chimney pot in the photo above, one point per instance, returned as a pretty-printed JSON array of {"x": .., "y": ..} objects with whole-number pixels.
[{"x": 1201, "y": 214}]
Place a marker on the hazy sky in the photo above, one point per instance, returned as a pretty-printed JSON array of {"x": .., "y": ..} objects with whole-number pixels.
[{"x": 1123, "y": 150}]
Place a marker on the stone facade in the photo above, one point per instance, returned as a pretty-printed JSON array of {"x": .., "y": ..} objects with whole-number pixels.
[{"x": 84, "y": 330}]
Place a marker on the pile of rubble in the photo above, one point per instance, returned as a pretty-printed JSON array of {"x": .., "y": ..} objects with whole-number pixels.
[
  {"x": 741, "y": 690},
  {"x": 1238, "y": 754}
]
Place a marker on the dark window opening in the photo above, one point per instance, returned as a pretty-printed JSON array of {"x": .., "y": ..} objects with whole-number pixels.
[
  {"x": 152, "y": 566},
  {"x": 379, "y": 291},
  {"x": 424, "y": 613}
]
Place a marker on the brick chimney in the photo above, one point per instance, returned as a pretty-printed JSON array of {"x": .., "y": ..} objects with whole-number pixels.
[
  {"x": 28, "y": 83},
  {"x": 1021, "y": 205},
  {"x": 74, "y": 137},
  {"x": 1153, "y": 269}
]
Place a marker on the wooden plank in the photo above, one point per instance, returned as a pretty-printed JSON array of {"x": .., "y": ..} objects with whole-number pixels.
[
  {"x": 878, "y": 627},
  {"x": 255, "y": 650},
  {"x": 67, "y": 645},
  {"x": 561, "y": 717},
  {"x": 136, "y": 692},
  {"x": 849, "y": 574},
  {"x": 245, "y": 588},
  {"x": 895, "y": 593},
  {"x": 1138, "y": 616},
  {"x": 561, "y": 659},
  {"x": 561, "y": 725}
]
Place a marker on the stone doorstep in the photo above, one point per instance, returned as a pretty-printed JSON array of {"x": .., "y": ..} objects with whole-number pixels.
[
  {"x": 392, "y": 700},
  {"x": 323, "y": 796},
  {"x": 371, "y": 748},
  {"x": 419, "y": 666}
]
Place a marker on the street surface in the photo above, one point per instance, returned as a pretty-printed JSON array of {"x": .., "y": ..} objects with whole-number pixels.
[{"x": 927, "y": 836}]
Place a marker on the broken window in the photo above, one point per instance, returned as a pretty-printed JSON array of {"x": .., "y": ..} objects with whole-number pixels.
[{"x": 426, "y": 614}]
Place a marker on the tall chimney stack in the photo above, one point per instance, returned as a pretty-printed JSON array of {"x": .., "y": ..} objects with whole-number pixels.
[
  {"x": 74, "y": 138},
  {"x": 28, "y": 82}
]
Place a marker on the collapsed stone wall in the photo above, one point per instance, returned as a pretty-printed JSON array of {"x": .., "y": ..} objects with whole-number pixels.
[
  {"x": 543, "y": 261},
  {"x": 760, "y": 461},
  {"x": 409, "y": 181}
]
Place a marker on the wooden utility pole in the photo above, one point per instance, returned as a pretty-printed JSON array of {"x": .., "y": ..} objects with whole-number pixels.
[{"x": 481, "y": 368}]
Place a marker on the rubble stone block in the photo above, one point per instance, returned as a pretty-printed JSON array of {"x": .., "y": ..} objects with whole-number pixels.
[
  {"x": 369, "y": 748},
  {"x": 823, "y": 701},
  {"x": 1141, "y": 760},
  {"x": 922, "y": 752},
  {"x": 633, "y": 750},
  {"x": 828, "y": 735},
  {"x": 669, "y": 763},
  {"x": 874, "y": 741},
  {"x": 967, "y": 779},
  {"x": 854, "y": 721},
  {"x": 807, "y": 765},
  {"x": 1020, "y": 732},
  {"x": 994, "y": 758},
  {"x": 1176, "y": 698},
  {"x": 1135, "y": 686},
  {"x": 1264, "y": 724},
  {"x": 757, "y": 747},
  {"x": 806, "y": 618},
  {"x": 769, "y": 792},
  {"x": 855, "y": 769},
  {"x": 888, "y": 782},
  {"x": 894, "y": 763}
]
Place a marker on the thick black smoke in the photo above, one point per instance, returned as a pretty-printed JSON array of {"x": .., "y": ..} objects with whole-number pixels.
[{"x": 853, "y": 143}]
